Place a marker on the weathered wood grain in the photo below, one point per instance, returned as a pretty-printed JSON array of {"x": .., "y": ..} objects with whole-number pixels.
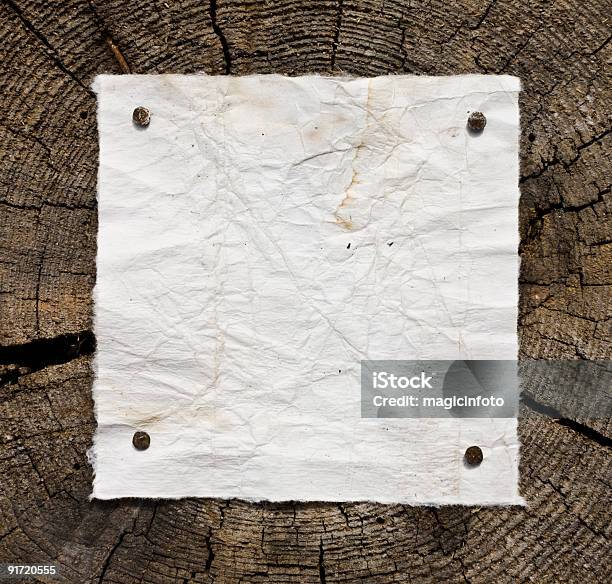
[{"x": 48, "y": 165}]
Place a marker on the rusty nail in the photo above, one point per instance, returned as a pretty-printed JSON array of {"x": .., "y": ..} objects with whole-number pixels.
[
  {"x": 141, "y": 440},
  {"x": 141, "y": 116},
  {"x": 477, "y": 121},
  {"x": 473, "y": 456}
]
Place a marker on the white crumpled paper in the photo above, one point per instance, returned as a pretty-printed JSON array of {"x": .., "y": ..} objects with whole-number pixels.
[{"x": 264, "y": 235}]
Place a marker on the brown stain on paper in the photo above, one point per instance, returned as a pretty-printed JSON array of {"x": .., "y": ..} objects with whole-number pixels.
[
  {"x": 347, "y": 200},
  {"x": 349, "y": 197}
]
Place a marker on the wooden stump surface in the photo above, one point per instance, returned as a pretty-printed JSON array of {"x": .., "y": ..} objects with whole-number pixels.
[{"x": 51, "y": 52}]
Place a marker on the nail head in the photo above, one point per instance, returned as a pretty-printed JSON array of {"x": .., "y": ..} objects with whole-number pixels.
[
  {"x": 473, "y": 456},
  {"x": 141, "y": 440},
  {"x": 477, "y": 121},
  {"x": 141, "y": 116}
]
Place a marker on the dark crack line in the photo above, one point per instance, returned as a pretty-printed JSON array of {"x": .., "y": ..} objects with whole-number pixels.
[
  {"x": 224, "y": 45},
  {"x": 558, "y": 417},
  {"x": 568, "y": 508},
  {"x": 600, "y": 47},
  {"x": 38, "y": 281},
  {"x": 36, "y": 140},
  {"x": 41, "y": 478},
  {"x": 484, "y": 15},
  {"x": 9, "y": 532},
  {"x": 112, "y": 552},
  {"x": 535, "y": 223},
  {"x": 41, "y": 37},
  {"x": 344, "y": 513},
  {"x": 547, "y": 164},
  {"x": 40, "y": 353},
  {"x": 336, "y": 40},
  {"x": 222, "y": 510},
  {"x": 519, "y": 50},
  {"x": 56, "y": 205},
  {"x": 210, "y": 553},
  {"x": 322, "y": 575},
  {"x": 573, "y": 208},
  {"x": 110, "y": 41}
]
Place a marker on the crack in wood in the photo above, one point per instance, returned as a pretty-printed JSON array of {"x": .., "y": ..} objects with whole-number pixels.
[
  {"x": 227, "y": 59},
  {"x": 36, "y": 355},
  {"x": 110, "y": 41},
  {"x": 336, "y": 40},
  {"x": 322, "y": 574},
  {"x": 564, "y": 102},
  {"x": 43, "y": 39},
  {"x": 546, "y": 410}
]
